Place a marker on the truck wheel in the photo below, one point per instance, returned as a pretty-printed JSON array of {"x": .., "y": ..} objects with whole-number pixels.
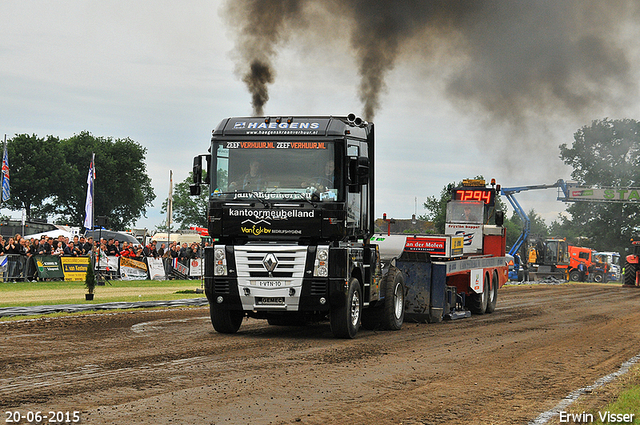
[
  {"x": 478, "y": 302},
  {"x": 394, "y": 300},
  {"x": 345, "y": 319},
  {"x": 493, "y": 294},
  {"x": 225, "y": 321},
  {"x": 630, "y": 274},
  {"x": 575, "y": 276},
  {"x": 598, "y": 278}
]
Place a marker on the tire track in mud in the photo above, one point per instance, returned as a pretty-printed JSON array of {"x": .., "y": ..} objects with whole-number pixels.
[{"x": 503, "y": 368}]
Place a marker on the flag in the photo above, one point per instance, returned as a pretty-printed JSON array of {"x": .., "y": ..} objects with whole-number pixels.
[
  {"x": 170, "y": 201},
  {"x": 88, "y": 206},
  {"x": 5, "y": 173}
]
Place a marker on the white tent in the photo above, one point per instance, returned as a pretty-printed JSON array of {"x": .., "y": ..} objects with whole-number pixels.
[{"x": 52, "y": 233}]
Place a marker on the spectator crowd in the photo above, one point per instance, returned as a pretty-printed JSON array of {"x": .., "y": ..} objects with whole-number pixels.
[{"x": 20, "y": 251}]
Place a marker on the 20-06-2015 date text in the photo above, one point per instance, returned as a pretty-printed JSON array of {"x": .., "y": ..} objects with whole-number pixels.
[{"x": 49, "y": 417}]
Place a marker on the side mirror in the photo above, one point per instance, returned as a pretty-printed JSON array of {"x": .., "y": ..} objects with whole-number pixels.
[
  {"x": 358, "y": 171},
  {"x": 363, "y": 170},
  {"x": 197, "y": 170},
  {"x": 499, "y": 218}
]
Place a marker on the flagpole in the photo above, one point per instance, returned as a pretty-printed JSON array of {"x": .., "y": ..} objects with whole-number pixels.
[
  {"x": 2, "y": 185},
  {"x": 169, "y": 209},
  {"x": 93, "y": 190},
  {"x": 5, "y": 174}
]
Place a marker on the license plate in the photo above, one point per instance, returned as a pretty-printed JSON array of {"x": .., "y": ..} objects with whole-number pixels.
[
  {"x": 268, "y": 283},
  {"x": 270, "y": 301}
]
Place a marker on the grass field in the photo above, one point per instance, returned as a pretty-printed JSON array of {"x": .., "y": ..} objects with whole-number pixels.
[{"x": 23, "y": 294}]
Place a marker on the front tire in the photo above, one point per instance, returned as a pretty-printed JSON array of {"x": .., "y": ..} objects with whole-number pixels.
[
  {"x": 346, "y": 319},
  {"x": 225, "y": 321},
  {"x": 575, "y": 276}
]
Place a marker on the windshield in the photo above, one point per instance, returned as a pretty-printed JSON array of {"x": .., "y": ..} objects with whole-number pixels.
[{"x": 277, "y": 170}]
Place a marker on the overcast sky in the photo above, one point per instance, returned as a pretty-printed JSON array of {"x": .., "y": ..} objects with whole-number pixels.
[{"x": 163, "y": 74}]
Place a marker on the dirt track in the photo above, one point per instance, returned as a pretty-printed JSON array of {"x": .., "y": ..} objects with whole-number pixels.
[{"x": 163, "y": 367}]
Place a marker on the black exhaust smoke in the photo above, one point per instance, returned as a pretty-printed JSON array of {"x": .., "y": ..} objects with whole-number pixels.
[{"x": 508, "y": 58}]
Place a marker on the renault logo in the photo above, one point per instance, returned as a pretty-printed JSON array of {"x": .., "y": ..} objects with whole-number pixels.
[{"x": 270, "y": 262}]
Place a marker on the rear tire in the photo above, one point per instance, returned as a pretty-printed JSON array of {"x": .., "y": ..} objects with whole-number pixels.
[
  {"x": 394, "y": 300},
  {"x": 346, "y": 319},
  {"x": 493, "y": 294},
  {"x": 478, "y": 302},
  {"x": 630, "y": 270},
  {"x": 389, "y": 315},
  {"x": 225, "y": 321},
  {"x": 598, "y": 278}
]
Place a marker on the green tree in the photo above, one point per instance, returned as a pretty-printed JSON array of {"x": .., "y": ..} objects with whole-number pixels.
[
  {"x": 35, "y": 165},
  {"x": 437, "y": 208},
  {"x": 605, "y": 154},
  {"x": 187, "y": 210},
  {"x": 122, "y": 187}
]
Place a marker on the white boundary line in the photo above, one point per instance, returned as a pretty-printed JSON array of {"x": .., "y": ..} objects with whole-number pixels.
[{"x": 568, "y": 400}]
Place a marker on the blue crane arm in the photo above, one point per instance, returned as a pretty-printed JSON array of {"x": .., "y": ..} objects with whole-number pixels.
[{"x": 509, "y": 192}]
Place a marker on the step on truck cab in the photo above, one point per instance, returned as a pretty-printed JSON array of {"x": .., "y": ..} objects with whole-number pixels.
[{"x": 291, "y": 211}]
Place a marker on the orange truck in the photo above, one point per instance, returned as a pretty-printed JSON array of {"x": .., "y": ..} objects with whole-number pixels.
[{"x": 582, "y": 264}]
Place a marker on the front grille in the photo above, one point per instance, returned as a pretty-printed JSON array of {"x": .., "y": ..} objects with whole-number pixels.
[{"x": 290, "y": 261}]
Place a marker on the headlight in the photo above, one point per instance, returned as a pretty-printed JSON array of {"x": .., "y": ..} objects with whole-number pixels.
[
  {"x": 322, "y": 271},
  {"x": 220, "y": 258},
  {"x": 321, "y": 264},
  {"x": 323, "y": 254}
]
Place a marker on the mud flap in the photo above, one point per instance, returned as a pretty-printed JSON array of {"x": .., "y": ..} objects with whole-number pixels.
[{"x": 426, "y": 296}]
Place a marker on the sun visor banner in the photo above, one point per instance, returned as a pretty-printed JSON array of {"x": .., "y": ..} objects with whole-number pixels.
[{"x": 263, "y": 127}]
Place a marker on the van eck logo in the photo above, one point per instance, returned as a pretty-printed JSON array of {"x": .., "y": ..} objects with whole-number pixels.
[{"x": 255, "y": 230}]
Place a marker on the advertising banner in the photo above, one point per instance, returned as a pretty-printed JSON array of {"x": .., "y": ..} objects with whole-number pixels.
[
  {"x": 196, "y": 267},
  {"x": 156, "y": 268},
  {"x": 74, "y": 268},
  {"x": 3, "y": 263},
  {"x": 179, "y": 268},
  {"x": 272, "y": 222},
  {"x": 48, "y": 266},
  {"x": 109, "y": 264},
  {"x": 627, "y": 194},
  {"x": 132, "y": 269}
]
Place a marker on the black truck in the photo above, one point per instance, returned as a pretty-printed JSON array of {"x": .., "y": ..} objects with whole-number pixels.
[{"x": 291, "y": 210}]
